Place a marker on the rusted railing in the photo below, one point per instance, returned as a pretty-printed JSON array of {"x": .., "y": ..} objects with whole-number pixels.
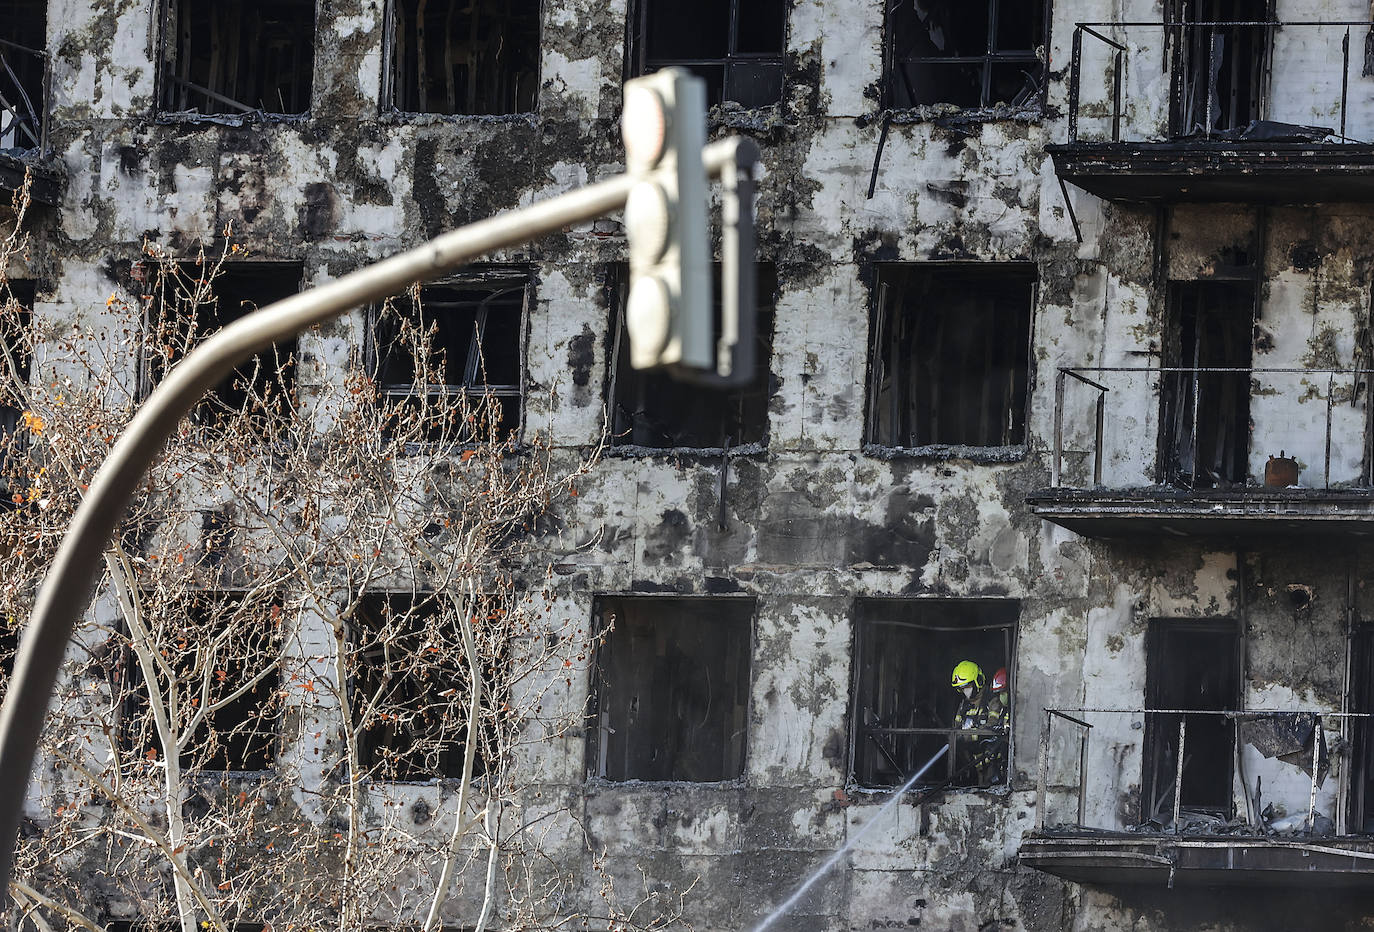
[
  {"x": 23, "y": 120},
  {"x": 1076, "y": 718},
  {"x": 1352, "y": 380},
  {"x": 1125, "y": 44}
]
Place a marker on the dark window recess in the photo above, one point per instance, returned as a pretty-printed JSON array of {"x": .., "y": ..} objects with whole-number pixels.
[
  {"x": 23, "y": 38},
  {"x": 672, "y": 689},
  {"x": 1362, "y": 730},
  {"x": 1218, "y": 70},
  {"x": 464, "y": 337},
  {"x": 735, "y": 45},
  {"x": 410, "y": 709},
  {"x": 265, "y": 382},
  {"x": 237, "y": 56},
  {"x": 14, "y": 345},
  {"x": 477, "y": 57},
  {"x": 904, "y": 706},
  {"x": 238, "y": 733},
  {"x": 1190, "y": 664},
  {"x": 652, "y": 409},
  {"x": 974, "y": 54},
  {"x": 950, "y": 349},
  {"x": 1205, "y": 416}
]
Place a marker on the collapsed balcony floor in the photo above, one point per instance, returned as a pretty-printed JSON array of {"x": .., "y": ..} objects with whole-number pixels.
[
  {"x": 1200, "y": 171},
  {"x": 1126, "y": 858},
  {"x": 1169, "y": 512}
]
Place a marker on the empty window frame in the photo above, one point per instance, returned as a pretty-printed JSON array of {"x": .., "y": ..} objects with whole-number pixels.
[
  {"x": 237, "y": 56},
  {"x": 671, "y": 688},
  {"x": 652, "y": 409},
  {"x": 904, "y": 706},
  {"x": 950, "y": 354},
  {"x": 1361, "y": 679},
  {"x": 1190, "y": 664},
  {"x": 1219, "y": 70},
  {"x": 224, "y": 653},
  {"x": 975, "y": 54},
  {"x": 1205, "y": 415},
  {"x": 410, "y": 689},
  {"x": 180, "y": 321},
  {"x": 737, "y": 46},
  {"x": 464, "y": 336},
  {"x": 23, "y": 39},
  {"x": 473, "y": 57}
]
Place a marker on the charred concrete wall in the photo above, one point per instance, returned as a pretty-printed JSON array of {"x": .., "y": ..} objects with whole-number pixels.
[{"x": 818, "y": 517}]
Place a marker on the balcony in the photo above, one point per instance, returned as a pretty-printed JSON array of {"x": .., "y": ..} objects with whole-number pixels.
[
  {"x": 1219, "y": 111},
  {"x": 24, "y": 151},
  {"x": 1216, "y": 831},
  {"x": 1230, "y": 452}
]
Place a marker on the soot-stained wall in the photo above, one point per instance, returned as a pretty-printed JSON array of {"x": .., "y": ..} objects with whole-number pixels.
[{"x": 816, "y": 518}]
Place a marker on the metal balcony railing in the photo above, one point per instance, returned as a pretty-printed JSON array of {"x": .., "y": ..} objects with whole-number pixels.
[
  {"x": 1215, "y": 80},
  {"x": 1155, "y": 721},
  {"x": 1197, "y": 427},
  {"x": 25, "y": 77}
]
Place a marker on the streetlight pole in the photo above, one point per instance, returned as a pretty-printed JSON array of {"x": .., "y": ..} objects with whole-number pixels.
[{"x": 67, "y": 587}]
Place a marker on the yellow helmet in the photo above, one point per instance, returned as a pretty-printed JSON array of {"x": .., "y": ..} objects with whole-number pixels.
[{"x": 967, "y": 673}]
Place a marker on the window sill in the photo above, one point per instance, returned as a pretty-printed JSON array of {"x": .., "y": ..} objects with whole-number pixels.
[
  {"x": 949, "y": 451},
  {"x": 196, "y": 118},
  {"x": 607, "y": 783},
  {"x": 950, "y": 114},
  {"x": 391, "y": 115},
  {"x": 736, "y": 118},
  {"x": 635, "y": 451}
]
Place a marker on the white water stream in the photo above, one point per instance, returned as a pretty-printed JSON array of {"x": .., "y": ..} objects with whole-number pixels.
[{"x": 834, "y": 859}]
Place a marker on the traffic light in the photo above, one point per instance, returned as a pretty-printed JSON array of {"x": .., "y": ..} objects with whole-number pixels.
[{"x": 668, "y": 311}]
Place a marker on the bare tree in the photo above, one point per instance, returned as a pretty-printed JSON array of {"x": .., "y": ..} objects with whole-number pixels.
[{"x": 325, "y": 647}]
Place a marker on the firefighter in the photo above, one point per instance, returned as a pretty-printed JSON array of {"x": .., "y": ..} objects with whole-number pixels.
[
  {"x": 993, "y": 761},
  {"x": 968, "y": 679}
]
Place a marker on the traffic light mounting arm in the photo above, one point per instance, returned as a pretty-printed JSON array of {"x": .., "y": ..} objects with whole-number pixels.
[{"x": 70, "y": 581}]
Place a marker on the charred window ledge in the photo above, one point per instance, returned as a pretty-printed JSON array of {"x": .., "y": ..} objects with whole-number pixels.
[
  {"x": 949, "y": 451},
  {"x": 764, "y": 122},
  {"x": 691, "y": 454},
  {"x": 950, "y": 116},
  {"x": 393, "y": 116},
  {"x": 196, "y": 118}
]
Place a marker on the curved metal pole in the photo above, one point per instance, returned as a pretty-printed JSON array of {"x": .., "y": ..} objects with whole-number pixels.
[{"x": 68, "y": 586}]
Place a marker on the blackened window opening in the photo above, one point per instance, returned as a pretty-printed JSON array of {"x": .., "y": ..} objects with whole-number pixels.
[
  {"x": 1205, "y": 415},
  {"x": 1219, "y": 71},
  {"x": 238, "y": 56},
  {"x": 23, "y": 38},
  {"x": 970, "y": 54},
  {"x": 216, "y": 643},
  {"x": 1362, "y": 730},
  {"x": 736, "y": 46},
  {"x": 904, "y": 706},
  {"x": 471, "y": 334},
  {"x": 267, "y": 381},
  {"x": 1190, "y": 664},
  {"x": 652, "y": 409},
  {"x": 950, "y": 351},
  {"x": 672, "y": 689},
  {"x": 476, "y": 57},
  {"x": 15, "y": 341},
  {"x": 410, "y": 690}
]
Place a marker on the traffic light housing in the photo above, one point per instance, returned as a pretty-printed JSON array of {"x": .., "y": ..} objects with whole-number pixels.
[{"x": 668, "y": 311}]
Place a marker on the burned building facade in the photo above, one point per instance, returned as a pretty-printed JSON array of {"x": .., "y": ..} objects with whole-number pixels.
[{"x": 1064, "y": 368}]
